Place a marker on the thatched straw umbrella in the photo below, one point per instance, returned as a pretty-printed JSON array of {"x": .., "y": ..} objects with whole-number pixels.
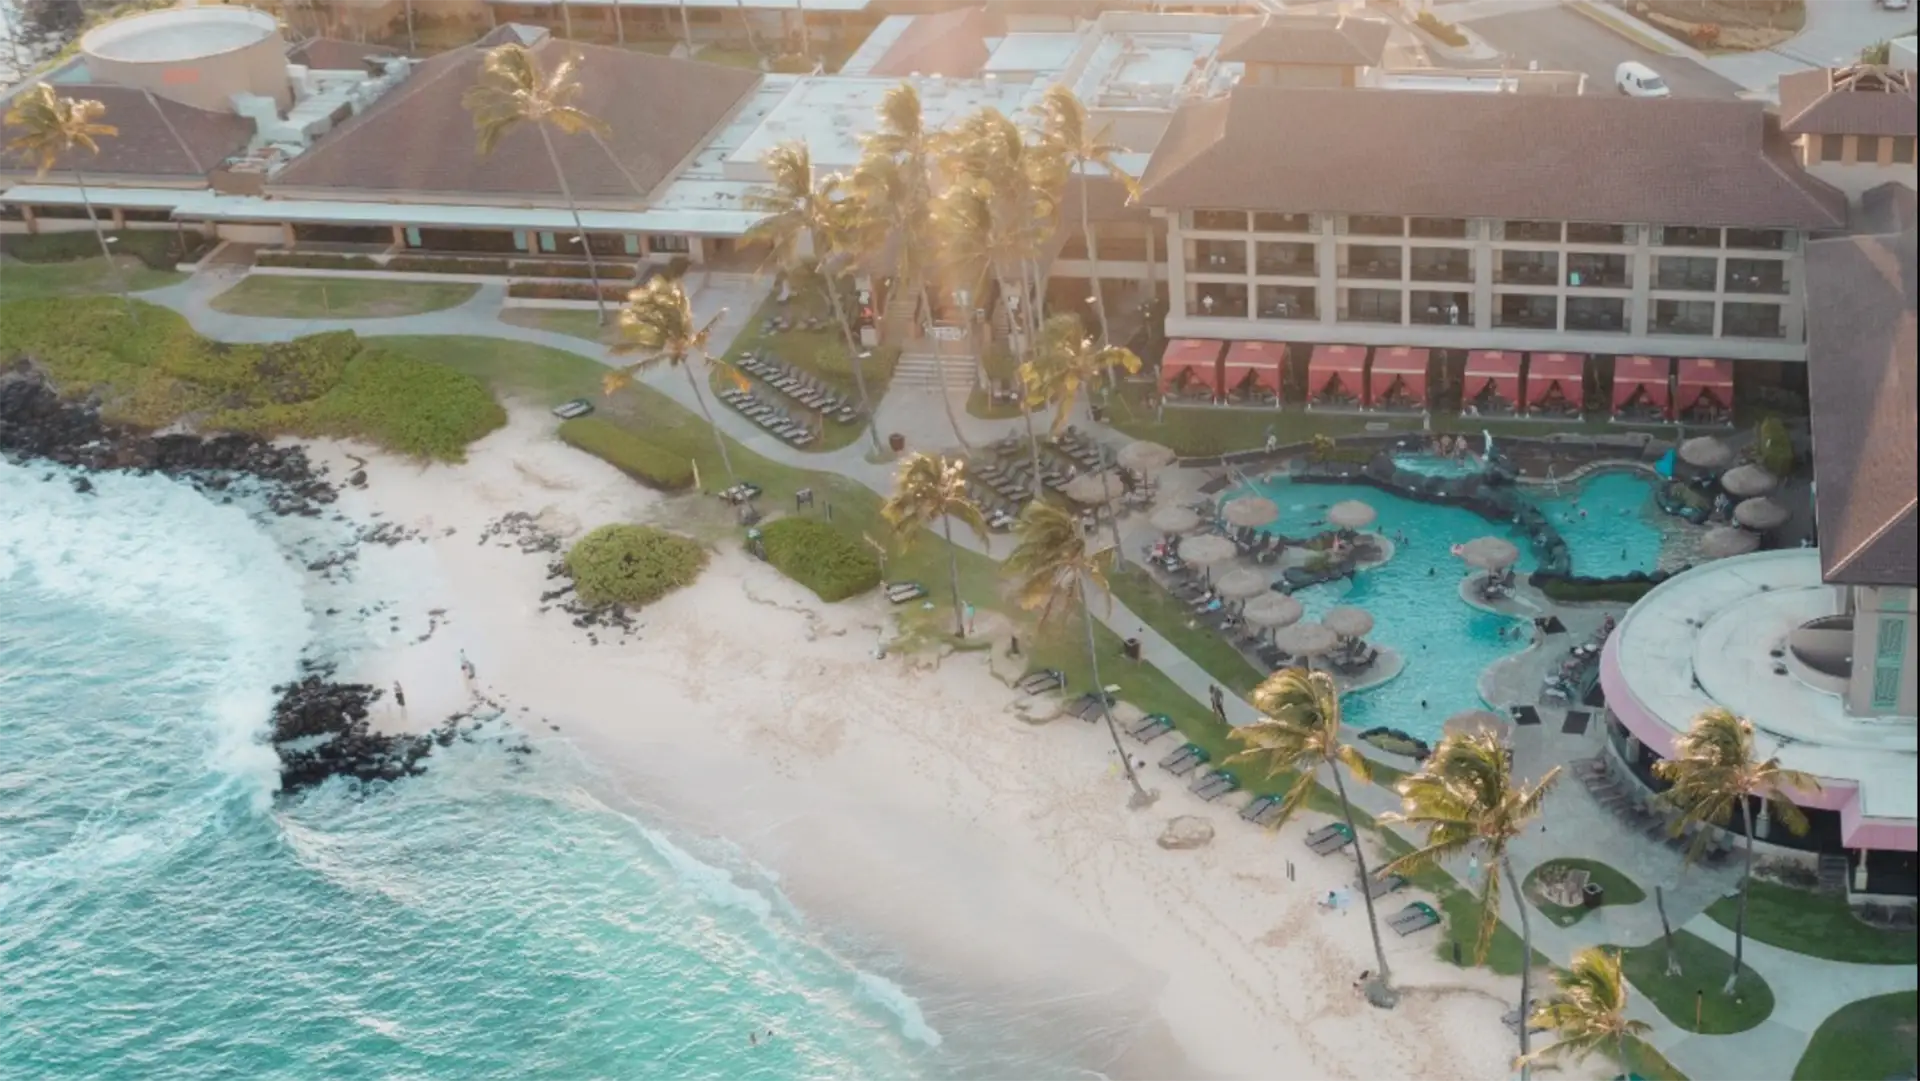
[
  {"x": 1348, "y": 622},
  {"x": 1241, "y": 583},
  {"x": 1478, "y": 720},
  {"x": 1488, "y": 553},
  {"x": 1094, "y": 488},
  {"x": 1306, "y": 640},
  {"x": 1724, "y": 540},
  {"x": 1204, "y": 551},
  {"x": 1145, "y": 457},
  {"x": 1272, "y": 610},
  {"x": 1706, "y": 452},
  {"x": 1351, "y": 514},
  {"x": 1761, "y": 514},
  {"x": 1747, "y": 481},
  {"x": 1250, "y": 510},
  {"x": 1174, "y": 520}
]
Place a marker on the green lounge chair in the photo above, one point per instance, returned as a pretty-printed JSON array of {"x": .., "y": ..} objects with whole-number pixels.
[
  {"x": 1380, "y": 887},
  {"x": 1417, "y": 916},
  {"x": 1323, "y": 833},
  {"x": 1257, "y": 807},
  {"x": 1340, "y": 838},
  {"x": 1151, "y": 727}
]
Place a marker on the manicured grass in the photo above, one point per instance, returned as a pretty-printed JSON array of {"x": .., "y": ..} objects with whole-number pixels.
[
  {"x": 821, "y": 353},
  {"x": 1620, "y": 890},
  {"x": 23, "y": 281},
  {"x": 1816, "y": 924},
  {"x": 577, "y": 324},
  {"x": 1461, "y": 906},
  {"x": 275, "y": 296},
  {"x": 1704, "y": 967},
  {"x": 733, "y": 58},
  {"x": 1643, "y": 1061},
  {"x": 1134, "y": 587},
  {"x": 1863, "y": 1041}
]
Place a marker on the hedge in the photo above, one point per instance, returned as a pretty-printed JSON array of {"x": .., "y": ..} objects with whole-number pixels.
[
  {"x": 816, "y": 555},
  {"x": 499, "y": 266},
  {"x": 610, "y": 272},
  {"x": 317, "y": 260},
  {"x": 613, "y": 294},
  {"x": 1446, "y": 32},
  {"x": 645, "y": 462},
  {"x": 632, "y": 564},
  {"x": 159, "y": 249}
]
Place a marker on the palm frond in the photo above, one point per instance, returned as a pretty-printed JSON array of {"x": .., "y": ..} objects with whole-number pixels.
[{"x": 53, "y": 127}]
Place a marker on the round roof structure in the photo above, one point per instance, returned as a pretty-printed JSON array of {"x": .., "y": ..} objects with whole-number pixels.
[{"x": 179, "y": 35}]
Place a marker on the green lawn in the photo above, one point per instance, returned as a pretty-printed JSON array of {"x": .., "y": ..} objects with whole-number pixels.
[
  {"x": 81, "y": 277},
  {"x": 1620, "y": 890},
  {"x": 571, "y": 322},
  {"x": 1462, "y": 909},
  {"x": 299, "y": 297},
  {"x": 1643, "y": 1061},
  {"x": 1816, "y": 924},
  {"x": 821, "y": 353},
  {"x": 1863, "y": 1041},
  {"x": 1704, "y": 967},
  {"x": 1134, "y": 587}
]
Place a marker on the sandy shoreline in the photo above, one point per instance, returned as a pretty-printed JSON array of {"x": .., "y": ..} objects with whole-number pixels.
[{"x": 901, "y": 797}]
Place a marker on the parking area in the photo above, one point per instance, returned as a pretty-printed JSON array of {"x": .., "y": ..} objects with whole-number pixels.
[{"x": 1562, "y": 40}]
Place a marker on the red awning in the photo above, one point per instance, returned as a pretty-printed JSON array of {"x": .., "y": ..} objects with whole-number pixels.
[
  {"x": 1546, "y": 371},
  {"x": 1199, "y": 358},
  {"x": 1347, "y": 362},
  {"x": 1496, "y": 368},
  {"x": 1702, "y": 378},
  {"x": 1645, "y": 377},
  {"x": 1402, "y": 364},
  {"x": 1266, "y": 360}
]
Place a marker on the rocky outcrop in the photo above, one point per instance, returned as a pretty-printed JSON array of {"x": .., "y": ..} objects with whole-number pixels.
[
  {"x": 1186, "y": 831},
  {"x": 322, "y": 729}
]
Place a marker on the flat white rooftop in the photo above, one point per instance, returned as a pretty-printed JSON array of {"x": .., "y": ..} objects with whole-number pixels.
[
  {"x": 1148, "y": 69},
  {"x": 1026, "y": 54},
  {"x": 178, "y": 34},
  {"x": 832, "y": 113}
]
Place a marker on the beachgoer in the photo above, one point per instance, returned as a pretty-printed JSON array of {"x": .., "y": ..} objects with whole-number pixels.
[
  {"x": 967, "y": 609},
  {"x": 466, "y": 666},
  {"x": 1013, "y": 646},
  {"x": 1423, "y": 703},
  {"x": 753, "y": 1038},
  {"x": 399, "y": 695},
  {"x": 1432, "y": 571}
]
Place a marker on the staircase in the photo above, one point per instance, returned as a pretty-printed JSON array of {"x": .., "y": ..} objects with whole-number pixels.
[
  {"x": 924, "y": 370},
  {"x": 1834, "y": 871}
]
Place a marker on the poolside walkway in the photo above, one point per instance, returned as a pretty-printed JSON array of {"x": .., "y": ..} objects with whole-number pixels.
[{"x": 1806, "y": 989}]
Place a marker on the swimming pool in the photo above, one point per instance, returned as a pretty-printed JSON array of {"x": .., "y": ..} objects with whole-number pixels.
[
  {"x": 1415, "y": 599},
  {"x": 1436, "y": 465}
]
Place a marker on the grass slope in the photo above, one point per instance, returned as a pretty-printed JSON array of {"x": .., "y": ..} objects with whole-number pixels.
[
  {"x": 1816, "y": 924},
  {"x": 1704, "y": 967},
  {"x": 1863, "y": 1041},
  {"x": 299, "y": 297}
]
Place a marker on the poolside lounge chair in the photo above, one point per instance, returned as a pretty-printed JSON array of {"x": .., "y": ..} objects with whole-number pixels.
[
  {"x": 1340, "y": 838},
  {"x": 1380, "y": 887},
  {"x": 1213, "y": 785},
  {"x": 1087, "y": 706},
  {"x": 1258, "y": 806},
  {"x": 902, "y": 592},
  {"x": 1151, "y": 727},
  {"x": 1183, "y": 761},
  {"x": 579, "y": 407},
  {"x": 1046, "y": 679},
  {"x": 1324, "y": 832},
  {"x": 1417, "y": 916}
]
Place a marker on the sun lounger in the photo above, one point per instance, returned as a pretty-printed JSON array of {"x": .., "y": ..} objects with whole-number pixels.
[
  {"x": 1257, "y": 806},
  {"x": 1183, "y": 761},
  {"x": 1214, "y": 785},
  {"x": 1151, "y": 727},
  {"x": 1087, "y": 706},
  {"x": 1417, "y": 916},
  {"x": 1340, "y": 838},
  {"x": 1380, "y": 887},
  {"x": 1046, "y": 679},
  {"x": 902, "y": 592},
  {"x": 1324, "y": 832}
]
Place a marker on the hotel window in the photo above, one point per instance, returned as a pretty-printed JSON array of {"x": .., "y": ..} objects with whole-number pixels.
[
  {"x": 1866, "y": 149},
  {"x": 1231, "y": 221},
  {"x": 1886, "y": 662},
  {"x": 1903, "y": 150},
  {"x": 1833, "y": 147},
  {"x": 666, "y": 244}
]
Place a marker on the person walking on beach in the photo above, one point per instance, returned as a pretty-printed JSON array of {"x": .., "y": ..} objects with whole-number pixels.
[
  {"x": 466, "y": 667},
  {"x": 400, "y": 697}
]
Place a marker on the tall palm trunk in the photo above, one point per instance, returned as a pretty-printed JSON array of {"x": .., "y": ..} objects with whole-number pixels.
[
  {"x": 412, "y": 46},
  {"x": 1746, "y": 886},
  {"x": 1093, "y": 260},
  {"x": 99, "y": 235},
  {"x": 686, "y": 29},
  {"x": 940, "y": 365},
  {"x": 719, "y": 439},
  {"x": 806, "y": 35},
  {"x": 1526, "y": 960},
  {"x": 1666, "y": 930},
  {"x": 853, "y": 358},
  {"x": 1140, "y": 796},
  {"x": 953, "y": 578},
  {"x": 1026, "y": 410},
  {"x": 566, "y": 18},
  {"x": 1366, "y": 894},
  {"x": 579, "y": 230}
]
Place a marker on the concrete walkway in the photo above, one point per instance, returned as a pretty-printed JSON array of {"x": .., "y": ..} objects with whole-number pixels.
[{"x": 1806, "y": 989}]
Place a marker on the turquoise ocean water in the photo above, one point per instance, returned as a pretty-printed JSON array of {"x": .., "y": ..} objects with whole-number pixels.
[{"x": 165, "y": 914}]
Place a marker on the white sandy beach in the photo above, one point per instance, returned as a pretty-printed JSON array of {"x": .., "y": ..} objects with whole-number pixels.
[{"x": 902, "y": 797}]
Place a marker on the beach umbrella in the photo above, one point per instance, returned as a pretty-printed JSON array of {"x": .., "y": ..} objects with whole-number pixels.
[
  {"x": 1351, "y": 514},
  {"x": 1272, "y": 610},
  {"x": 1706, "y": 452},
  {"x": 1348, "y": 622},
  {"x": 1174, "y": 520},
  {"x": 1724, "y": 540},
  {"x": 1488, "y": 553},
  {"x": 1761, "y": 513},
  {"x": 1306, "y": 639},
  {"x": 1145, "y": 457},
  {"x": 1478, "y": 720},
  {"x": 1102, "y": 487},
  {"x": 1206, "y": 550},
  {"x": 1251, "y": 510},
  {"x": 1242, "y": 583},
  {"x": 1747, "y": 481}
]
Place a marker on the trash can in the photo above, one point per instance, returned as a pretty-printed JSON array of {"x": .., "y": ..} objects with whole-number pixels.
[
  {"x": 1131, "y": 647},
  {"x": 897, "y": 442},
  {"x": 1594, "y": 894}
]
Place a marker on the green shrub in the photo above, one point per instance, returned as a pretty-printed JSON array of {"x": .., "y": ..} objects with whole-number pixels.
[
  {"x": 632, "y": 564},
  {"x": 609, "y": 271},
  {"x": 613, "y": 294},
  {"x": 413, "y": 406},
  {"x": 159, "y": 249},
  {"x": 816, "y": 555},
  {"x": 627, "y": 452},
  {"x": 1773, "y": 446},
  {"x": 1445, "y": 32},
  {"x": 317, "y": 260},
  {"x": 451, "y": 264}
]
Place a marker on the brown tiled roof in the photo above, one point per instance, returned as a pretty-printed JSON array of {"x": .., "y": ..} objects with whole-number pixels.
[
  {"x": 147, "y": 144},
  {"x": 1305, "y": 39},
  {"x": 1860, "y": 356},
  {"x": 1847, "y": 101},
  {"x": 1106, "y": 197},
  {"x": 332, "y": 54},
  {"x": 1890, "y": 208},
  {"x": 1586, "y": 158},
  {"x": 420, "y": 137},
  {"x": 947, "y": 43}
]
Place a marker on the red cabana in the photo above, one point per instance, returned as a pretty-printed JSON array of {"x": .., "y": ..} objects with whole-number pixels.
[
  {"x": 1494, "y": 370},
  {"x": 1555, "y": 377},
  {"x": 1256, "y": 365},
  {"x": 1642, "y": 381},
  {"x": 1706, "y": 384},
  {"x": 1400, "y": 367},
  {"x": 1342, "y": 368},
  {"x": 1198, "y": 359}
]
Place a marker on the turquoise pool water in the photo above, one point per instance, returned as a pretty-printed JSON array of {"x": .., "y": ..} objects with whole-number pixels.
[
  {"x": 1434, "y": 465},
  {"x": 1415, "y": 599}
]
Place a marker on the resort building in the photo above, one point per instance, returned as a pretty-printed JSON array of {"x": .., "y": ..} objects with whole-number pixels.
[
  {"x": 1852, "y": 127},
  {"x": 1815, "y": 647}
]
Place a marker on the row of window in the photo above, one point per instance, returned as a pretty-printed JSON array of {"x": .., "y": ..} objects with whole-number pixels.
[
  {"x": 1738, "y": 319},
  {"x": 1583, "y": 269},
  {"x": 1612, "y": 234},
  {"x": 1867, "y": 148}
]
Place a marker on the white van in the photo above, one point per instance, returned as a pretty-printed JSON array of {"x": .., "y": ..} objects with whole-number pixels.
[{"x": 1636, "y": 80}]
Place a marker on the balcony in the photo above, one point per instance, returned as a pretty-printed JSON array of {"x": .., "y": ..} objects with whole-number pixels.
[
  {"x": 1596, "y": 313},
  {"x": 1689, "y": 236},
  {"x": 1285, "y": 259},
  {"x": 1219, "y": 300},
  {"x": 1584, "y": 232},
  {"x": 1598, "y": 272},
  {"x": 1221, "y": 221},
  {"x": 1685, "y": 274},
  {"x": 1371, "y": 261},
  {"x": 1683, "y": 317},
  {"x": 1284, "y": 223},
  {"x": 1756, "y": 276},
  {"x": 1288, "y": 302},
  {"x": 1219, "y": 257},
  {"x": 1757, "y": 239},
  {"x": 1528, "y": 268},
  {"x": 1442, "y": 265},
  {"x": 1441, "y": 309},
  {"x": 1444, "y": 228},
  {"x": 1371, "y": 306},
  {"x": 1527, "y": 312},
  {"x": 1376, "y": 225},
  {"x": 1751, "y": 321},
  {"x": 1548, "y": 231}
]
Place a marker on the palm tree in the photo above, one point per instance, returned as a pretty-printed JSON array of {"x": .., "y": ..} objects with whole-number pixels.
[
  {"x": 1465, "y": 795},
  {"x": 1588, "y": 1010},
  {"x": 1298, "y": 732},
  {"x": 929, "y": 489},
  {"x": 1714, "y": 770},
  {"x": 1052, "y": 569},
  {"x": 51, "y": 129},
  {"x": 1065, "y": 362},
  {"x": 656, "y": 323},
  {"x": 1067, "y": 131},
  {"x": 805, "y": 216},
  {"x": 980, "y": 250},
  {"x": 513, "y": 90}
]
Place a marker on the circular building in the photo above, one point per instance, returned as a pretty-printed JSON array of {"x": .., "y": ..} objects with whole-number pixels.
[{"x": 199, "y": 56}]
